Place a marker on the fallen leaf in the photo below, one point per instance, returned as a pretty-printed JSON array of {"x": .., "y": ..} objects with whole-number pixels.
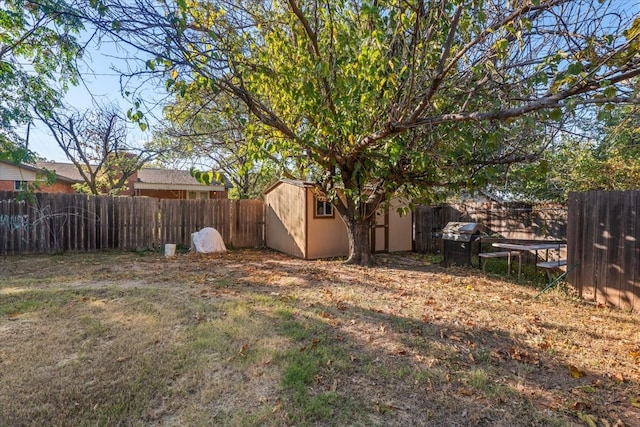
[
  {"x": 635, "y": 402},
  {"x": 618, "y": 377},
  {"x": 580, "y": 406},
  {"x": 465, "y": 391},
  {"x": 575, "y": 372},
  {"x": 590, "y": 420},
  {"x": 544, "y": 345},
  {"x": 586, "y": 389},
  {"x": 243, "y": 350},
  {"x": 495, "y": 356}
]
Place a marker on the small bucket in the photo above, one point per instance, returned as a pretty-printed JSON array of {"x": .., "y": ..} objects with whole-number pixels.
[{"x": 170, "y": 249}]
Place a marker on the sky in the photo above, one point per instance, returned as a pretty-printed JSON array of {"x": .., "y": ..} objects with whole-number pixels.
[{"x": 100, "y": 84}]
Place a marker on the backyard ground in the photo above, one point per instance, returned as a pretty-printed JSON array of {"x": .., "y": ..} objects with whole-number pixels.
[{"x": 256, "y": 338}]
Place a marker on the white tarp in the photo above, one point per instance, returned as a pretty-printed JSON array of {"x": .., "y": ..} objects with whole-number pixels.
[{"x": 207, "y": 240}]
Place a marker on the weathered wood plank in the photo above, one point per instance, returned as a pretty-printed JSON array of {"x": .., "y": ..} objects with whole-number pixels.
[
  {"x": 628, "y": 250},
  {"x": 614, "y": 238}
]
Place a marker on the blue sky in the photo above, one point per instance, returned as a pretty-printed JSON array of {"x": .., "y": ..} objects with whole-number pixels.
[{"x": 101, "y": 70}]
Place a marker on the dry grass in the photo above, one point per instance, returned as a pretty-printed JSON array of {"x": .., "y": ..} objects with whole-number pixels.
[{"x": 257, "y": 338}]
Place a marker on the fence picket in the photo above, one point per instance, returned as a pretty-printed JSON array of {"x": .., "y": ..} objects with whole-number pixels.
[{"x": 76, "y": 222}]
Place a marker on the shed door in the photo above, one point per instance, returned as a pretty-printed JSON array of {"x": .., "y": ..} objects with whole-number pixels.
[{"x": 380, "y": 232}]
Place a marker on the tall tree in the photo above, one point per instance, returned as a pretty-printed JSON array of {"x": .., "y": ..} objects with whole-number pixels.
[
  {"x": 603, "y": 154},
  {"x": 38, "y": 53},
  {"x": 206, "y": 131},
  {"x": 380, "y": 96},
  {"x": 96, "y": 143}
]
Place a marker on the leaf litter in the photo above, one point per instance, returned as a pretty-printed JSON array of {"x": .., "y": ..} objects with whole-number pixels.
[{"x": 412, "y": 343}]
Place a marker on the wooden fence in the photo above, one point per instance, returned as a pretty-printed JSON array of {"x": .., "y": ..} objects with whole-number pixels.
[
  {"x": 516, "y": 221},
  {"x": 75, "y": 222},
  {"x": 604, "y": 242}
]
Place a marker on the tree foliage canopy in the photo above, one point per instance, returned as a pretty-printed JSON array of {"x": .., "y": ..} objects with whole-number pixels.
[
  {"x": 38, "y": 50},
  {"x": 608, "y": 158},
  {"x": 207, "y": 132},
  {"x": 377, "y": 96}
]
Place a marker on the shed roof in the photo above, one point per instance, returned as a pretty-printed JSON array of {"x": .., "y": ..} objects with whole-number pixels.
[{"x": 295, "y": 182}]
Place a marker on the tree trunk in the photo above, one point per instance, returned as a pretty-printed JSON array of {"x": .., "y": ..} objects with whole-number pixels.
[{"x": 359, "y": 235}]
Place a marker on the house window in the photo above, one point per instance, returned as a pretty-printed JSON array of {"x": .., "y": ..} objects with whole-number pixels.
[
  {"x": 19, "y": 185},
  {"x": 197, "y": 195},
  {"x": 324, "y": 209}
]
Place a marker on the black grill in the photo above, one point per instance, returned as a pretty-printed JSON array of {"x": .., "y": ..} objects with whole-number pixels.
[{"x": 458, "y": 239}]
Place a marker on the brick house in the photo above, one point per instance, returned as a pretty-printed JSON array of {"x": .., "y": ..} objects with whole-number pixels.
[
  {"x": 15, "y": 177},
  {"x": 153, "y": 182}
]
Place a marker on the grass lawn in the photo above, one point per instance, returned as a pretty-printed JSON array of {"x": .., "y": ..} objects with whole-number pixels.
[{"x": 255, "y": 338}]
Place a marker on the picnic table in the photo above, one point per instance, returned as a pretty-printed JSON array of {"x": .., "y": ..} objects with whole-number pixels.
[{"x": 520, "y": 248}]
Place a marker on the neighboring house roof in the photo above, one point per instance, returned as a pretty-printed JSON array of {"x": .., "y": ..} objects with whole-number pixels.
[
  {"x": 38, "y": 169},
  {"x": 62, "y": 170},
  {"x": 172, "y": 176},
  {"x": 148, "y": 178}
]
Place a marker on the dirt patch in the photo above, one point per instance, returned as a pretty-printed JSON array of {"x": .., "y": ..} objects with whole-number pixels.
[{"x": 258, "y": 338}]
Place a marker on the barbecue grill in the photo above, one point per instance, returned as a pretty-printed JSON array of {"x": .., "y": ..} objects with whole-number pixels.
[{"x": 458, "y": 239}]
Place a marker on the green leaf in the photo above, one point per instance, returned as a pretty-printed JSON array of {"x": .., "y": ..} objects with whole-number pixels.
[
  {"x": 610, "y": 92},
  {"x": 574, "y": 69},
  {"x": 555, "y": 114}
]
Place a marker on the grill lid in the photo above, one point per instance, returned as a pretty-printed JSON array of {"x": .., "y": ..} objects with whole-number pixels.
[
  {"x": 462, "y": 227},
  {"x": 460, "y": 231}
]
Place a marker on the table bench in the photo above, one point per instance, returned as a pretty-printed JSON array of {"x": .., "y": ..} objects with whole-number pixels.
[
  {"x": 484, "y": 256},
  {"x": 526, "y": 247},
  {"x": 550, "y": 266}
]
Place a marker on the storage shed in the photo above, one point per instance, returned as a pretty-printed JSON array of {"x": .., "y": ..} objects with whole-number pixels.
[{"x": 300, "y": 222}]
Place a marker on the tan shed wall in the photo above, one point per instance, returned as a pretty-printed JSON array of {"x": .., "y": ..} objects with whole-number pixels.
[
  {"x": 285, "y": 227},
  {"x": 292, "y": 228},
  {"x": 327, "y": 237},
  {"x": 400, "y": 228}
]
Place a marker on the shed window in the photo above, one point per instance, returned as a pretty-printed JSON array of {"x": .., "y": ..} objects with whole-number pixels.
[
  {"x": 19, "y": 185},
  {"x": 323, "y": 208}
]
